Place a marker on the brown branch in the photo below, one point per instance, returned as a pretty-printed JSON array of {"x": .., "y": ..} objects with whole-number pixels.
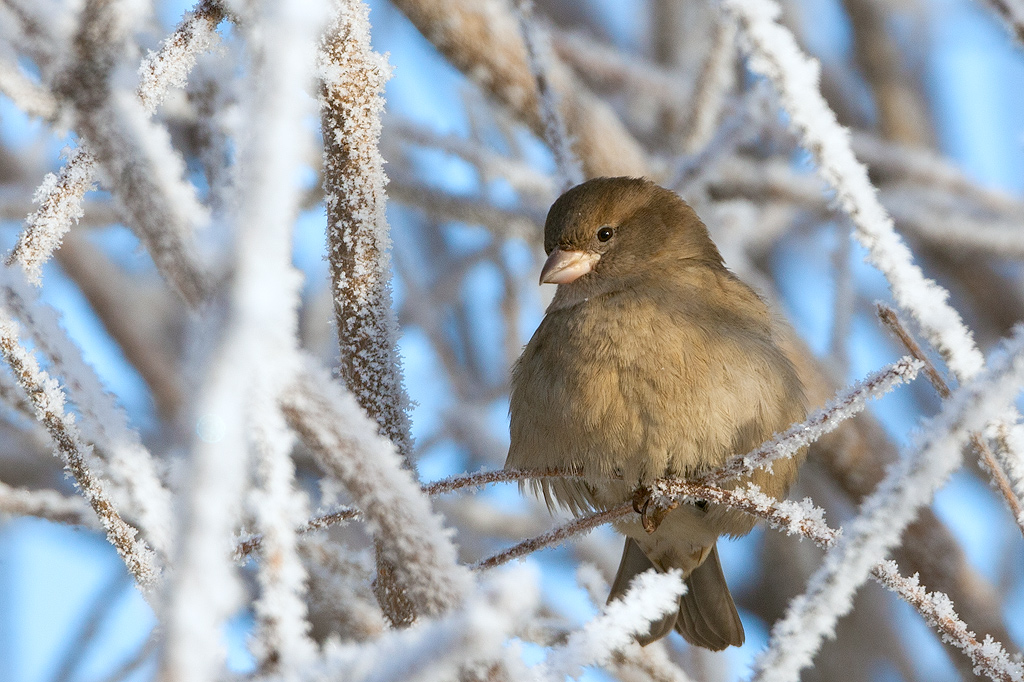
[
  {"x": 556, "y": 536},
  {"x": 988, "y": 461}
]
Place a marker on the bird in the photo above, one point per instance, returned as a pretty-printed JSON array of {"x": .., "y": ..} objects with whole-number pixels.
[{"x": 652, "y": 360}]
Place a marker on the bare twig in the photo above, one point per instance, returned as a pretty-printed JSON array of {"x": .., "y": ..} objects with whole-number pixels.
[{"x": 556, "y": 536}]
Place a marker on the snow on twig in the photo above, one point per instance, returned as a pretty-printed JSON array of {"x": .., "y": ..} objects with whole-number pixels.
[
  {"x": 48, "y": 400},
  {"x": 987, "y": 459},
  {"x": 261, "y": 347},
  {"x": 471, "y": 638},
  {"x": 46, "y": 504},
  {"x": 774, "y": 53},
  {"x": 267, "y": 298},
  {"x": 989, "y": 656},
  {"x": 126, "y": 463},
  {"x": 650, "y": 596},
  {"x": 60, "y": 205},
  {"x": 352, "y": 80},
  {"x": 806, "y": 520},
  {"x": 412, "y": 536},
  {"x": 156, "y": 196},
  {"x": 28, "y": 96},
  {"x": 556, "y": 536},
  {"x": 170, "y": 65},
  {"x": 886, "y": 512},
  {"x": 538, "y": 53}
]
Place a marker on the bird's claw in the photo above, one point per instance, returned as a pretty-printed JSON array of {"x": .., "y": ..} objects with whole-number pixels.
[{"x": 642, "y": 503}]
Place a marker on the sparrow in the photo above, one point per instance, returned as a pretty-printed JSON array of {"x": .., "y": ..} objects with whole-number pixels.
[{"x": 652, "y": 360}]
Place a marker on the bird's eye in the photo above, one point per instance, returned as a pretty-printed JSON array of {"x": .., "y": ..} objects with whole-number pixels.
[{"x": 605, "y": 233}]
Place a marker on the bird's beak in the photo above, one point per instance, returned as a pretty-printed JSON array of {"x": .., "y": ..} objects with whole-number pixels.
[{"x": 563, "y": 267}]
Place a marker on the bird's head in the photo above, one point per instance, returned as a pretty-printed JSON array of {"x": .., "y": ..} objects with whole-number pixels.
[{"x": 612, "y": 228}]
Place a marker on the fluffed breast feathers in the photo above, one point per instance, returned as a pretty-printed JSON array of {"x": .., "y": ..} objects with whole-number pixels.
[{"x": 668, "y": 379}]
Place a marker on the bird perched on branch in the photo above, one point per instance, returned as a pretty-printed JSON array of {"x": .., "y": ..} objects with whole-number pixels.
[{"x": 652, "y": 360}]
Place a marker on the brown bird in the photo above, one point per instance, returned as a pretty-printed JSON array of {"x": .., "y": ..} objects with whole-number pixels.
[{"x": 652, "y": 360}]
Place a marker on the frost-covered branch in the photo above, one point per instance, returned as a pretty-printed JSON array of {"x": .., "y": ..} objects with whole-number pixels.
[
  {"x": 981, "y": 448},
  {"x": 135, "y": 154},
  {"x": 169, "y": 66},
  {"x": 48, "y": 400},
  {"x": 412, "y": 537},
  {"x": 126, "y": 464},
  {"x": 843, "y": 406},
  {"x": 650, "y": 596},
  {"x": 46, "y": 504},
  {"x": 538, "y": 53},
  {"x": 359, "y": 242},
  {"x": 470, "y": 638},
  {"x": 989, "y": 656},
  {"x": 60, "y": 204},
  {"x": 775, "y": 54},
  {"x": 257, "y": 359},
  {"x": 30, "y": 97},
  {"x": 885, "y": 514},
  {"x": 556, "y": 536}
]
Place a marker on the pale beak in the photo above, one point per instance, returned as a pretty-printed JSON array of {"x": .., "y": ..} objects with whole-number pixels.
[{"x": 563, "y": 267}]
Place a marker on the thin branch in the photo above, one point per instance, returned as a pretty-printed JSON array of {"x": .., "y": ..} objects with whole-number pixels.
[
  {"x": 481, "y": 38},
  {"x": 411, "y": 536},
  {"x": 885, "y": 514},
  {"x": 127, "y": 464},
  {"x": 170, "y": 65},
  {"x": 60, "y": 205},
  {"x": 46, "y": 504},
  {"x": 30, "y": 97},
  {"x": 981, "y": 448},
  {"x": 48, "y": 400},
  {"x": 538, "y": 53},
  {"x": 556, "y": 536}
]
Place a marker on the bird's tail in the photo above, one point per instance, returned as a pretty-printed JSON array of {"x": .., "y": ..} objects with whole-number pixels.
[
  {"x": 707, "y": 614},
  {"x": 706, "y": 617}
]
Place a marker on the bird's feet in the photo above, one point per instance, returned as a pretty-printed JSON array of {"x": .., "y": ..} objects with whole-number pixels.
[{"x": 650, "y": 518}]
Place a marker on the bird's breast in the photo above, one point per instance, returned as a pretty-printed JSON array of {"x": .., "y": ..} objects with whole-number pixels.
[{"x": 627, "y": 390}]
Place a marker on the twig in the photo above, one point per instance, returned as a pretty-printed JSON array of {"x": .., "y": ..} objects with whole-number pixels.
[
  {"x": 46, "y": 504},
  {"x": 989, "y": 656},
  {"x": 538, "y": 53},
  {"x": 481, "y": 38},
  {"x": 556, "y": 536},
  {"x": 248, "y": 544},
  {"x": 169, "y": 67},
  {"x": 1012, "y": 14},
  {"x": 717, "y": 77},
  {"x": 48, "y": 400},
  {"x": 844, "y": 405},
  {"x": 60, "y": 205},
  {"x": 411, "y": 535},
  {"x": 886, "y": 513},
  {"x": 981, "y": 448}
]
